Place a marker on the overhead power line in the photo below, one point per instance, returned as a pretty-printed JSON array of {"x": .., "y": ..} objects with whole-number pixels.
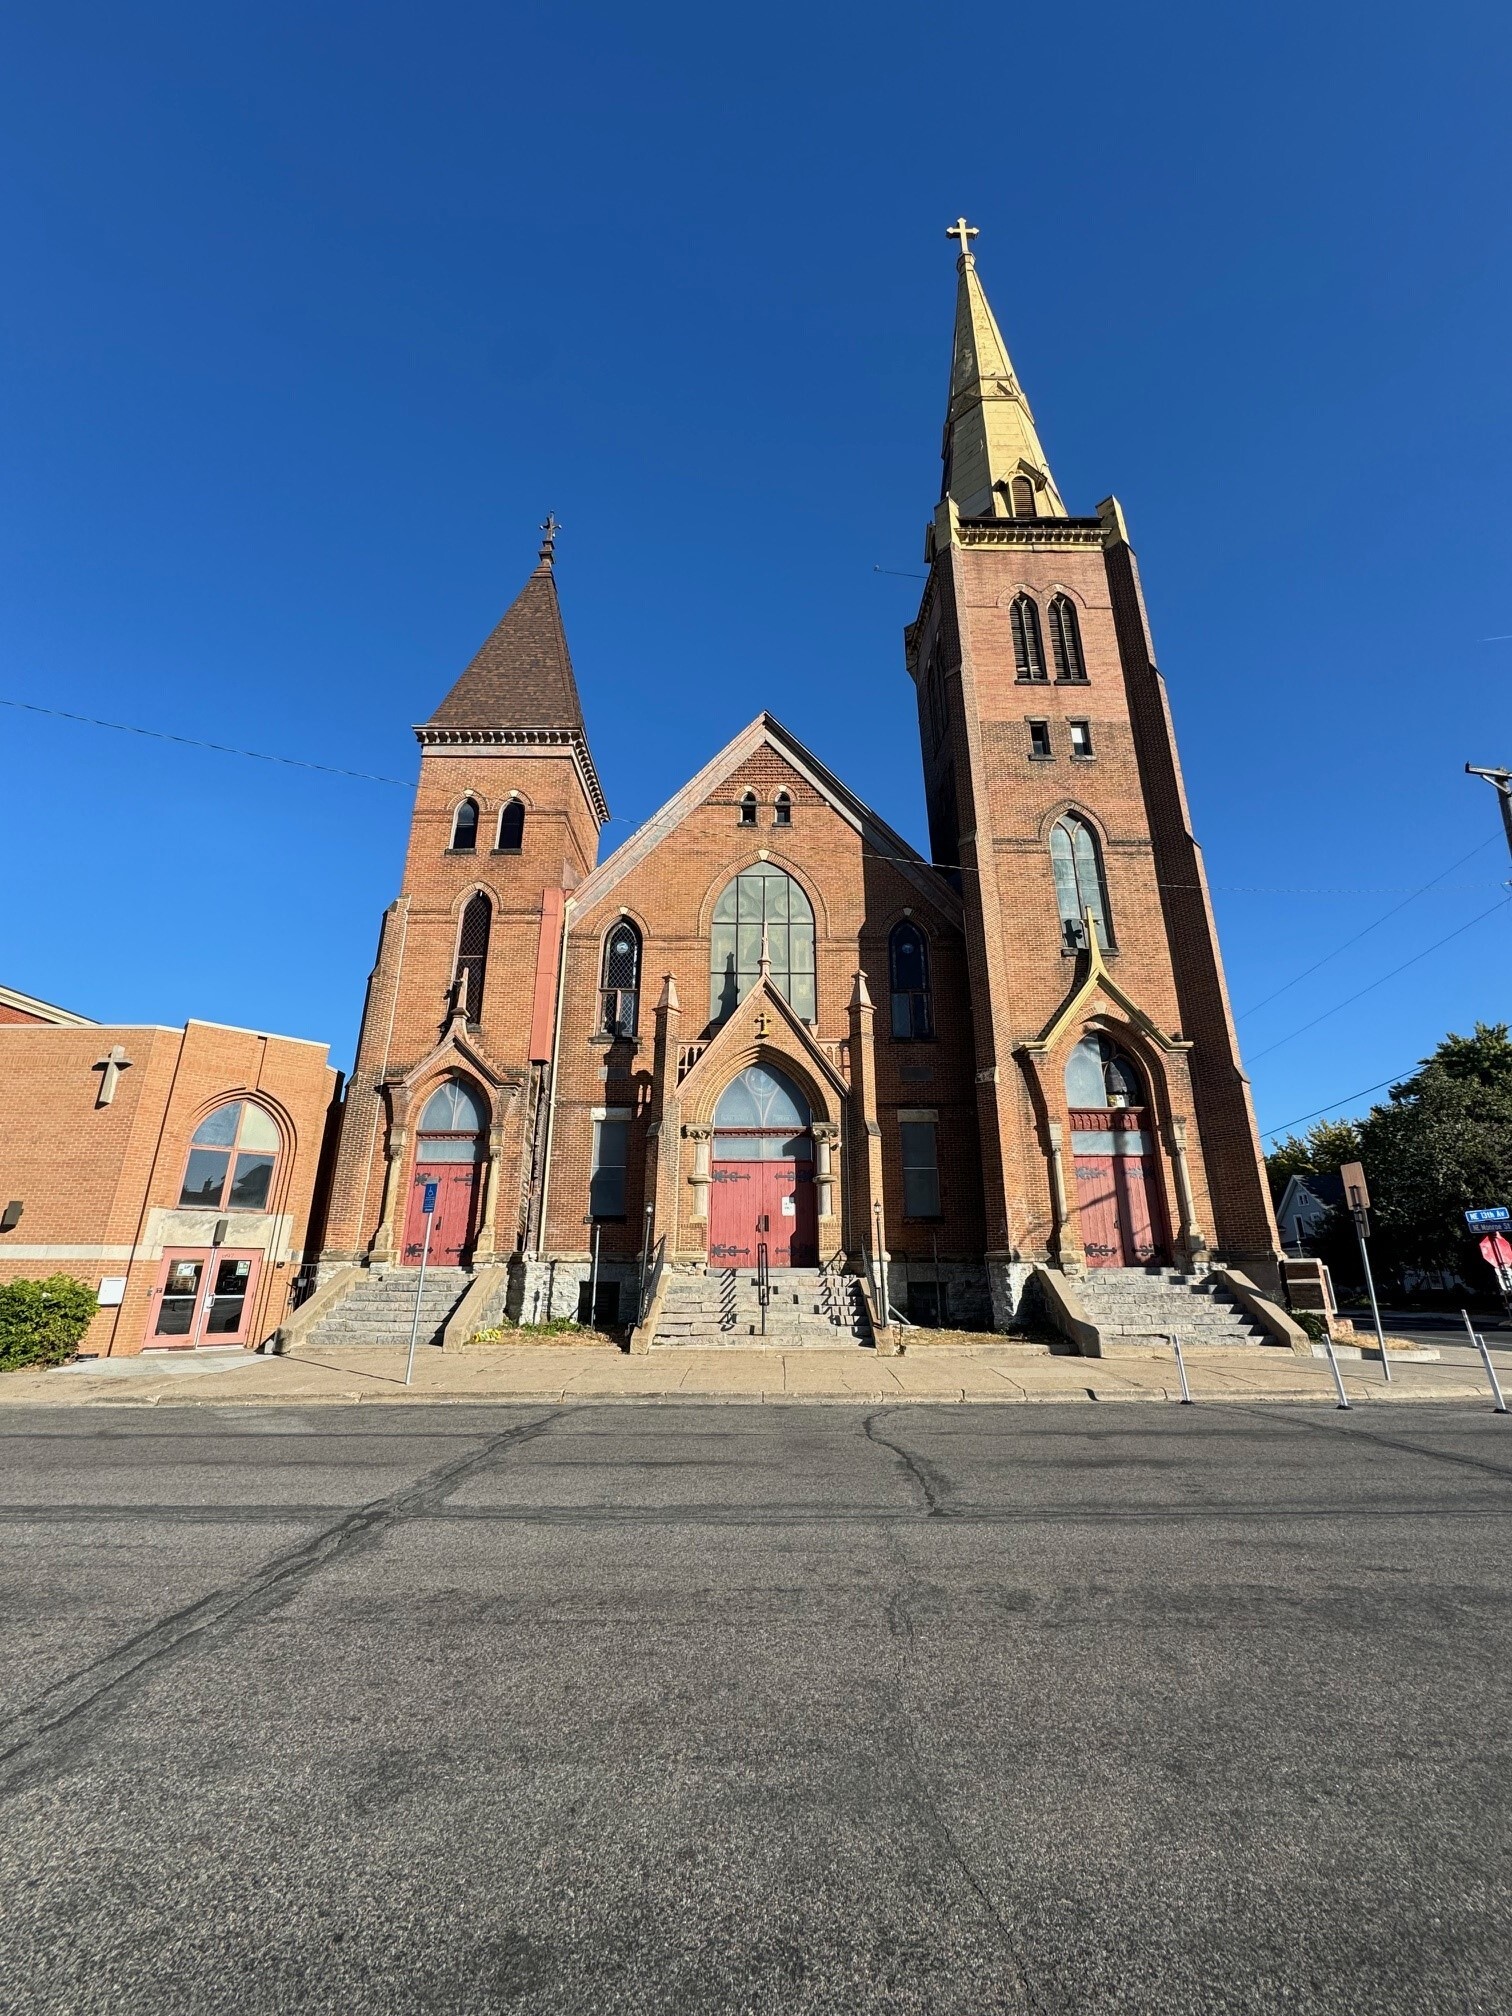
[
  {"x": 1344, "y": 1099},
  {"x": 1370, "y": 989},
  {"x": 220, "y": 748}
]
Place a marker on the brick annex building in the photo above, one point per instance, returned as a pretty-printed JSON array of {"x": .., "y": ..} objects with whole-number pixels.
[{"x": 765, "y": 1024}]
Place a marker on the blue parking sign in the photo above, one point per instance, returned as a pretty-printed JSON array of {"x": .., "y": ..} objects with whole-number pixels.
[{"x": 428, "y": 1203}]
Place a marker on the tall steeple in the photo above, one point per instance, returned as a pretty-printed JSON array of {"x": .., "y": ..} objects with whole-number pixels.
[
  {"x": 522, "y": 675},
  {"x": 994, "y": 464}
]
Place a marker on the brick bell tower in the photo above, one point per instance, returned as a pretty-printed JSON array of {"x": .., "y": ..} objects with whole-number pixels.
[
  {"x": 1056, "y": 802},
  {"x": 463, "y": 993}
]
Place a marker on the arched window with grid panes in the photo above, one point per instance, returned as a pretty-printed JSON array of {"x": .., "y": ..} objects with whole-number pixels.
[
  {"x": 619, "y": 980},
  {"x": 1079, "y": 887},
  {"x": 762, "y": 907},
  {"x": 1028, "y": 643},
  {"x": 908, "y": 971},
  {"x": 1065, "y": 641},
  {"x": 472, "y": 955}
]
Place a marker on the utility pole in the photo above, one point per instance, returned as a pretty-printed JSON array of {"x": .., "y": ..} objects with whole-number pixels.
[{"x": 1502, "y": 779}]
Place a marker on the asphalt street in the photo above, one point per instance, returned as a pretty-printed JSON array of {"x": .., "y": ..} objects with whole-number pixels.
[{"x": 742, "y": 1708}]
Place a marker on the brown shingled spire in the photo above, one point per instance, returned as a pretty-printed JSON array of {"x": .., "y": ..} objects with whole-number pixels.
[{"x": 522, "y": 676}]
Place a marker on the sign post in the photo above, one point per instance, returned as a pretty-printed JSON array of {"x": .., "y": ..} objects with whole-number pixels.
[
  {"x": 428, "y": 1206},
  {"x": 1352, "y": 1176},
  {"x": 1480, "y": 1343}
]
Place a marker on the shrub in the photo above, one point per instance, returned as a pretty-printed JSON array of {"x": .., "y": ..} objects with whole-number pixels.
[{"x": 41, "y": 1322}]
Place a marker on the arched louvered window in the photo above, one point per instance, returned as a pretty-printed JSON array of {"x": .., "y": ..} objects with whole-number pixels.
[
  {"x": 1078, "y": 881},
  {"x": 465, "y": 828},
  {"x": 512, "y": 827},
  {"x": 619, "y": 983},
  {"x": 1028, "y": 644},
  {"x": 1022, "y": 492},
  {"x": 762, "y": 903},
  {"x": 782, "y": 810},
  {"x": 908, "y": 971},
  {"x": 1065, "y": 640},
  {"x": 748, "y": 809},
  {"x": 472, "y": 955}
]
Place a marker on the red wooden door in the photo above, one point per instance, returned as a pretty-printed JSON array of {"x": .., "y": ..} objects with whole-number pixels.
[
  {"x": 1117, "y": 1188},
  {"x": 771, "y": 1201},
  {"x": 452, "y": 1227}
]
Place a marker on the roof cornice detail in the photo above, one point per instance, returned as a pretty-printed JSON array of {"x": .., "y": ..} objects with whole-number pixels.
[{"x": 428, "y": 735}]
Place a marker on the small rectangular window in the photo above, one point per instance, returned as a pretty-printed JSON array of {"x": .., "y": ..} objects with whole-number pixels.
[
  {"x": 611, "y": 1151},
  {"x": 1081, "y": 737},
  {"x": 1039, "y": 738},
  {"x": 921, "y": 1168}
]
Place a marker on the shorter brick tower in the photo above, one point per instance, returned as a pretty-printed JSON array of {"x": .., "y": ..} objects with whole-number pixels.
[{"x": 457, "y": 1026}]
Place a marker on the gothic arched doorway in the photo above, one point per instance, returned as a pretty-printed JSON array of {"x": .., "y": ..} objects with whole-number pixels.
[
  {"x": 1118, "y": 1203},
  {"x": 763, "y": 1174},
  {"x": 449, "y": 1153}
]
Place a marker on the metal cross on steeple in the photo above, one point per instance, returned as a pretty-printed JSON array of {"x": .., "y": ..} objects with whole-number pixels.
[
  {"x": 549, "y": 530},
  {"x": 965, "y": 232}
]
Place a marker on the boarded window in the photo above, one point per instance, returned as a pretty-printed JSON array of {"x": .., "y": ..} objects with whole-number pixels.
[
  {"x": 1028, "y": 644},
  {"x": 1065, "y": 640},
  {"x": 921, "y": 1168}
]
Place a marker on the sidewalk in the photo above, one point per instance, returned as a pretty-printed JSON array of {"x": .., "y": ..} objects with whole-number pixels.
[{"x": 374, "y": 1375}]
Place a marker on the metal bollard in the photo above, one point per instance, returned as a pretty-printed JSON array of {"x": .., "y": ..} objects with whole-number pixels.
[
  {"x": 1477, "y": 1339},
  {"x": 1333, "y": 1366},
  {"x": 1186, "y": 1391}
]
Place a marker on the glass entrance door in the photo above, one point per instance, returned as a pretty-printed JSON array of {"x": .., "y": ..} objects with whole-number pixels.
[{"x": 203, "y": 1297}]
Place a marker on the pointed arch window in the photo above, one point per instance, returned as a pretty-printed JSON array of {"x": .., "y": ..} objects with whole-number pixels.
[
  {"x": 1028, "y": 643},
  {"x": 762, "y": 901},
  {"x": 782, "y": 810},
  {"x": 619, "y": 980},
  {"x": 908, "y": 970},
  {"x": 512, "y": 827},
  {"x": 1079, "y": 886},
  {"x": 748, "y": 809},
  {"x": 1022, "y": 491},
  {"x": 465, "y": 828},
  {"x": 1065, "y": 641},
  {"x": 453, "y": 1122},
  {"x": 472, "y": 955}
]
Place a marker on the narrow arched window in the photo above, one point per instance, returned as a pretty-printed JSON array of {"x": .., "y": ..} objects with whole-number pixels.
[
  {"x": 512, "y": 827},
  {"x": 465, "y": 828},
  {"x": 1028, "y": 644},
  {"x": 619, "y": 982},
  {"x": 1078, "y": 882},
  {"x": 472, "y": 955},
  {"x": 231, "y": 1160},
  {"x": 1065, "y": 640},
  {"x": 1099, "y": 1074},
  {"x": 1022, "y": 490},
  {"x": 748, "y": 809},
  {"x": 762, "y": 906},
  {"x": 908, "y": 969},
  {"x": 782, "y": 810}
]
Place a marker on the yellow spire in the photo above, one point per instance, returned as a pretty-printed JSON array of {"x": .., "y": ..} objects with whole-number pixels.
[{"x": 994, "y": 464}]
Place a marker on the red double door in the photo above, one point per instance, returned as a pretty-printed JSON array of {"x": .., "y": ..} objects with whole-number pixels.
[
  {"x": 771, "y": 1201},
  {"x": 1118, "y": 1204},
  {"x": 452, "y": 1221}
]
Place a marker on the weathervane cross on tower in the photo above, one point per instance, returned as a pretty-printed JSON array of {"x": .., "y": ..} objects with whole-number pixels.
[{"x": 965, "y": 232}]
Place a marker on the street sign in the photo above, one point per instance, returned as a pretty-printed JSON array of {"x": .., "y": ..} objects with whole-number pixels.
[
  {"x": 1493, "y": 1214},
  {"x": 1352, "y": 1176},
  {"x": 1496, "y": 1252},
  {"x": 428, "y": 1202}
]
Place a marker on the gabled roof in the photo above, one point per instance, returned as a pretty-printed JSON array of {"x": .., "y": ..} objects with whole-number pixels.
[
  {"x": 878, "y": 838},
  {"x": 35, "y": 1011},
  {"x": 522, "y": 676}
]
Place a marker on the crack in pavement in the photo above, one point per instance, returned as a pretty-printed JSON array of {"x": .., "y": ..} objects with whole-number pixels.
[
  {"x": 930, "y": 1486},
  {"x": 44, "y": 1734}
]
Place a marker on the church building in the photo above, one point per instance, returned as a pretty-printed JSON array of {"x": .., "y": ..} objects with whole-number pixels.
[{"x": 765, "y": 1040}]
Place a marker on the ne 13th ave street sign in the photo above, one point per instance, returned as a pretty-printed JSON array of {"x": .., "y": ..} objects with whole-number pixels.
[{"x": 1493, "y": 1214}]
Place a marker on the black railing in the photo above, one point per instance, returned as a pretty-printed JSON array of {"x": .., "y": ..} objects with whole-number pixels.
[{"x": 763, "y": 1281}]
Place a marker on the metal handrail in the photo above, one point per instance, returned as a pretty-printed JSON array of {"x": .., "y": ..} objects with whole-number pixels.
[
  {"x": 763, "y": 1281},
  {"x": 651, "y": 1278}
]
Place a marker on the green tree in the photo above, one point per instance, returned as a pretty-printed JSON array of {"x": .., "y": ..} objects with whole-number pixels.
[
  {"x": 1440, "y": 1144},
  {"x": 41, "y": 1322},
  {"x": 1319, "y": 1152}
]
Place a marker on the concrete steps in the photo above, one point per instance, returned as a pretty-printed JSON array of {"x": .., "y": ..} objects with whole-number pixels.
[
  {"x": 379, "y": 1307},
  {"x": 722, "y": 1309},
  {"x": 1138, "y": 1309}
]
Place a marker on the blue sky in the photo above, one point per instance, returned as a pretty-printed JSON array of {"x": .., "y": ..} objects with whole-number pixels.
[{"x": 311, "y": 313}]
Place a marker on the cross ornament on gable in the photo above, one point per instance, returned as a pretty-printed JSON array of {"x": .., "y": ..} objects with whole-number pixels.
[
  {"x": 965, "y": 232},
  {"x": 110, "y": 1067},
  {"x": 762, "y": 1024}
]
